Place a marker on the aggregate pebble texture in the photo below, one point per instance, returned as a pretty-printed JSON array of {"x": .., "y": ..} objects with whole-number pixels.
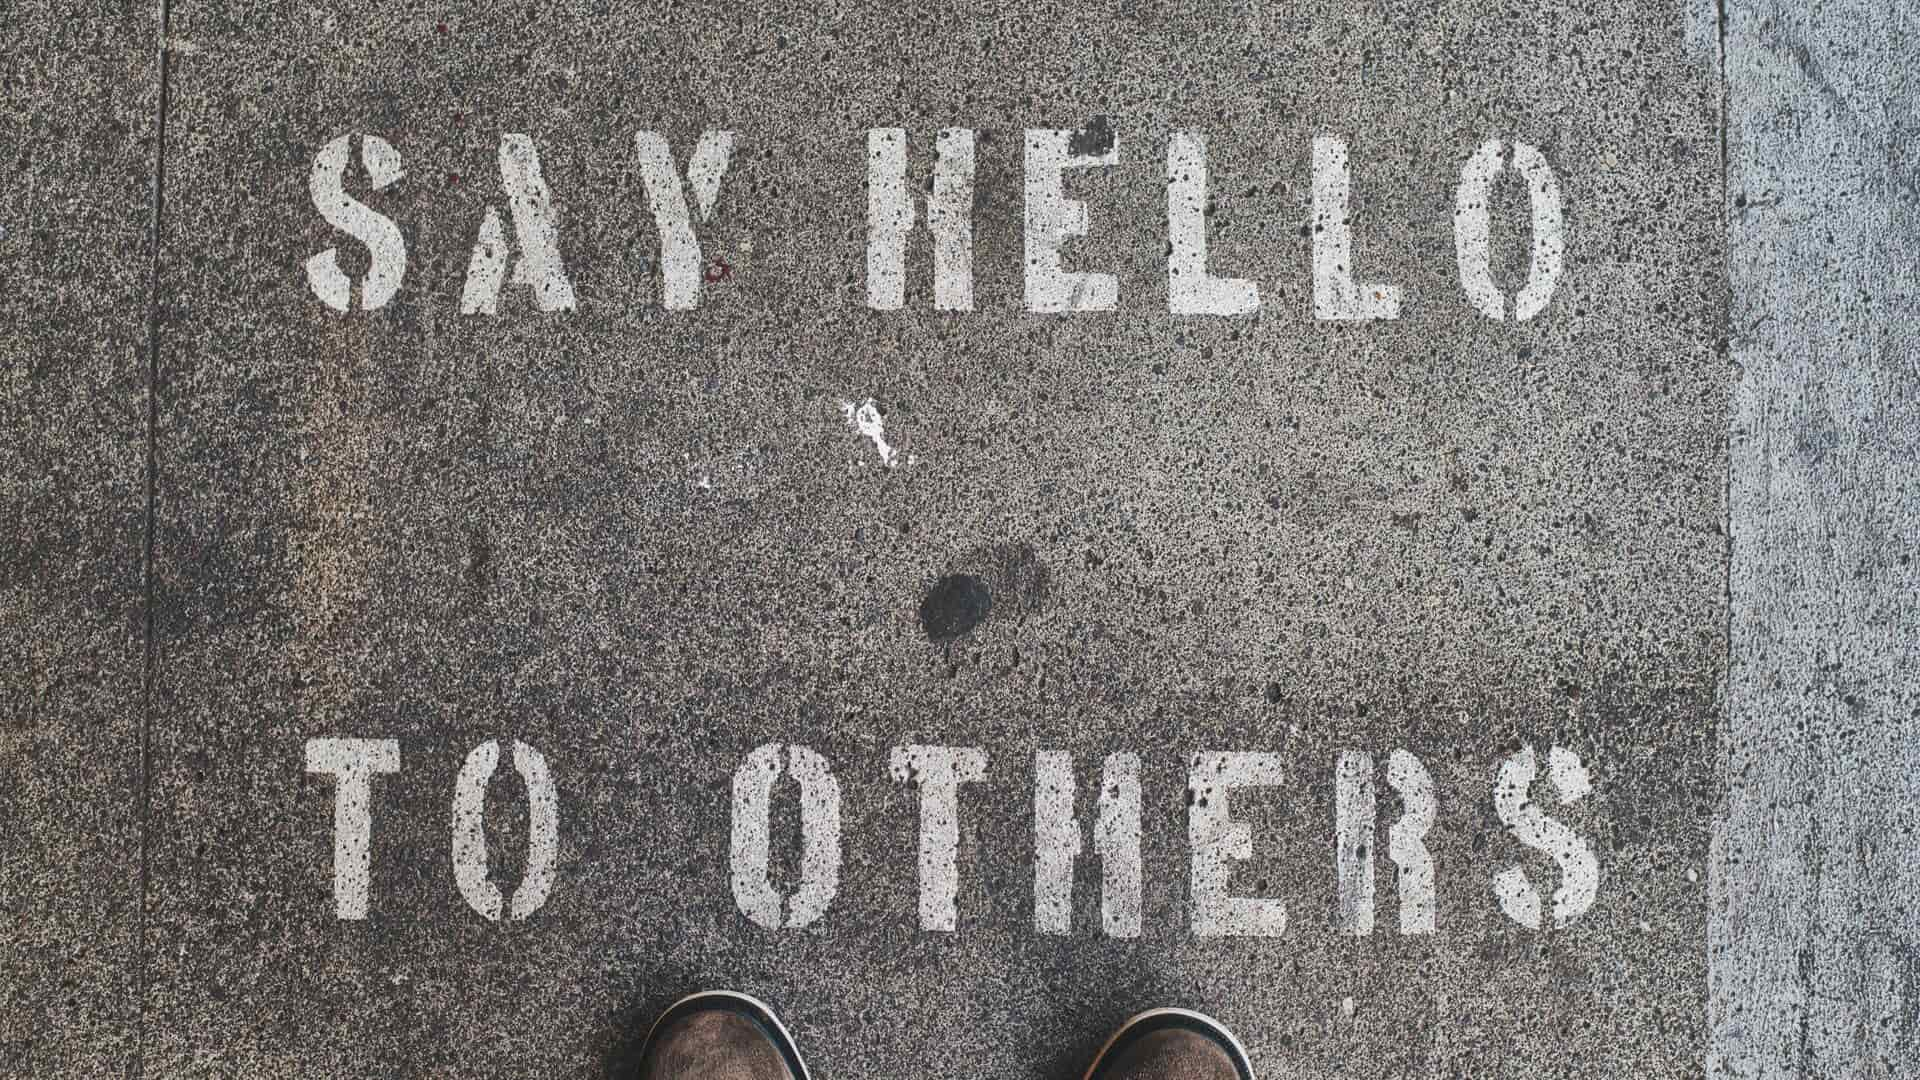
[
  {"x": 648, "y": 541},
  {"x": 76, "y": 186}
]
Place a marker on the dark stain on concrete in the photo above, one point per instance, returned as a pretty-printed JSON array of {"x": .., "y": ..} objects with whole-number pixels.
[
  {"x": 955, "y": 605},
  {"x": 1093, "y": 140},
  {"x": 1007, "y": 578},
  {"x": 479, "y": 558}
]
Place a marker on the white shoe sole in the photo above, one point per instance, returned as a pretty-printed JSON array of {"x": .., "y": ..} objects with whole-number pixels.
[{"x": 753, "y": 1005}]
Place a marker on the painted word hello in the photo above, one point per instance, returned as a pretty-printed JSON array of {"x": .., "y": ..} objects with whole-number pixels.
[{"x": 527, "y": 254}]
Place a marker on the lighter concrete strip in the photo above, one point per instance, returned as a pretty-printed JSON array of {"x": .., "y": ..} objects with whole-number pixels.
[{"x": 1815, "y": 932}]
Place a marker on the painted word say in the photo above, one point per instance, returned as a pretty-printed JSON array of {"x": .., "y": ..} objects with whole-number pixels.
[{"x": 516, "y": 242}]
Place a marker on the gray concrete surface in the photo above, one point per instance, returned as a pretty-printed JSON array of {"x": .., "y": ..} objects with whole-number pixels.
[
  {"x": 1816, "y": 952},
  {"x": 78, "y": 88},
  {"x": 646, "y": 542}
]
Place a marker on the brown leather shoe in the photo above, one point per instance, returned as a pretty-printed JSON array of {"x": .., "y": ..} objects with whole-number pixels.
[
  {"x": 1171, "y": 1044},
  {"x": 720, "y": 1035}
]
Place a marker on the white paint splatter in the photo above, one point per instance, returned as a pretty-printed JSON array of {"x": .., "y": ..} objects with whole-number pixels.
[
  {"x": 865, "y": 419},
  {"x": 698, "y": 474}
]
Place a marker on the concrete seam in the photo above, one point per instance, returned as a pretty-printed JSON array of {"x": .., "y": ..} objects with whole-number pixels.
[
  {"x": 1724, "y": 755},
  {"x": 151, "y": 657}
]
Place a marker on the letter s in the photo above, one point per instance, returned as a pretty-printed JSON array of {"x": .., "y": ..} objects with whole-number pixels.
[
  {"x": 378, "y": 232},
  {"x": 1579, "y": 870}
]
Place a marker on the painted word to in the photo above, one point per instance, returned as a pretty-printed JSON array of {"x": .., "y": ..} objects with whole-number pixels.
[
  {"x": 516, "y": 241},
  {"x": 1216, "y": 839}
]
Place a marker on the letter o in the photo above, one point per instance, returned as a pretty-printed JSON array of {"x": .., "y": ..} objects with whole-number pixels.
[
  {"x": 1470, "y": 227},
  {"x": 470, "y": 836},
  {"x": 753, "y": 889}
]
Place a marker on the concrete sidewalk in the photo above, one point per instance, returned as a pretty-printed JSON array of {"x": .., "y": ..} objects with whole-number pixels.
[{"x": 608, "y": 574}]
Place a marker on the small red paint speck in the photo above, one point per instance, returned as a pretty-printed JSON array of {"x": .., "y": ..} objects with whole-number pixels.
[
  {"x": 442, "y": 28},
  {"x": 718, "y": 272},
  {"x": 453, "y": 178}
]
